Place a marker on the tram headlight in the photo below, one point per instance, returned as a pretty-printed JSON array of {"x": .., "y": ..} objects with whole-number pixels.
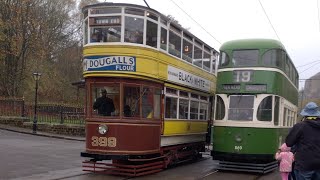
[
  {"x": 102, "y": 129},
  {"x": 238, "y": 138}
]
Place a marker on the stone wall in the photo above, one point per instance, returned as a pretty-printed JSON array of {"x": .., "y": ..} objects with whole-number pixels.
[{"x": 62, "y": 129}]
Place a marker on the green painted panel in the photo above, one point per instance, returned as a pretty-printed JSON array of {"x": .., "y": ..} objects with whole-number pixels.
[
  {"x": 253, "y": 140},
  {"x": 276, "y": 84},
  {"x": 251, "y": 44}
]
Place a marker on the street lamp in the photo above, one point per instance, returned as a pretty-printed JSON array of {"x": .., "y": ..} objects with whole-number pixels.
[{"x": 36, "y": 77}]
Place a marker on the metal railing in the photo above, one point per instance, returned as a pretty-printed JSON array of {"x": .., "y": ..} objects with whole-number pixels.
[{"x": 46, "y": 113}]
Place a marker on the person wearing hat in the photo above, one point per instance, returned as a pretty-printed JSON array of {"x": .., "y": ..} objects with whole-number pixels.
[
  {"x": 305, "y": 136},
  {"x": 103, "y": 104}
]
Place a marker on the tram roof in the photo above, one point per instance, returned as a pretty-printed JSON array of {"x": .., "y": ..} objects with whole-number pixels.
[
  {"x": 111, "y": 4},
  {"x": 252, "y": 44}
]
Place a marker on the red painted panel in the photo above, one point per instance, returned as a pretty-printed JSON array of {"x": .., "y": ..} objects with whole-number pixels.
[{"x": 123, "y": 138}]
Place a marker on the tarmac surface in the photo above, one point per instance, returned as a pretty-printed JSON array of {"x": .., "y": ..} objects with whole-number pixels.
[{"x": 203, "y": 169}]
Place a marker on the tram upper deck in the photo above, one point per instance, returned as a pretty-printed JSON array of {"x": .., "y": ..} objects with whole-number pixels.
[{"x": 139, "y": 41}]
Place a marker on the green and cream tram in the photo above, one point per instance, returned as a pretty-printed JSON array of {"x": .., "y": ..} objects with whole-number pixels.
[{"x": 256, "y": 103}]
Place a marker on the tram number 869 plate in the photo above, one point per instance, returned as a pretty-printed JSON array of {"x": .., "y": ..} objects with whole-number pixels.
[{"x": 104, "y": 141}]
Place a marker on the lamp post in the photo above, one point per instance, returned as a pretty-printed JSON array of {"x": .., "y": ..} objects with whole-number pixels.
[{"x": 36, "y": 77}]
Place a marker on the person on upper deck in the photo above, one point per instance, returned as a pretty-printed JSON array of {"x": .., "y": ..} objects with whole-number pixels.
[{"x": 305, "y": 136}]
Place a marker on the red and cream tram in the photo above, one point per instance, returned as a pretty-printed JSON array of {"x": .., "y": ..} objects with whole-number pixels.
[{"x": 159, "y": 80}]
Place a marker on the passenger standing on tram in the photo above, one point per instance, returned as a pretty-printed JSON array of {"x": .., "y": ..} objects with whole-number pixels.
[
  {"x": 305, "y": 136},
  {"x": 285, "y": 156},
  {"x": 103, "y": 104}
]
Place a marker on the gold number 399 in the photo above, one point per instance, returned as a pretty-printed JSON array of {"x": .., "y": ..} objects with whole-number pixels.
[{"x": 104, "y": 141}]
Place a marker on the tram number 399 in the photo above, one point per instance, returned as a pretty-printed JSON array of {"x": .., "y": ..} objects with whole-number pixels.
[
  {"x": 238, "y": 148},
  {"x": 104, "y": 141}
]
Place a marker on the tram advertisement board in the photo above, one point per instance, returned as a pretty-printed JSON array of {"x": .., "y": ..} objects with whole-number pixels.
[
  {"x": 109, "y": 63},
  {"x": 185, "y": 78}
]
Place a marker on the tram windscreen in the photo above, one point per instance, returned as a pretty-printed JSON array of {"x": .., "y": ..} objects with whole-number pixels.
[
  {"x": 245, "y": 57},
  {"x": 241, "y": 108}
]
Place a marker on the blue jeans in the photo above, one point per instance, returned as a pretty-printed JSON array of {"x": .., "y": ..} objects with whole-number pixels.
[{"x": 307, "y": 175}]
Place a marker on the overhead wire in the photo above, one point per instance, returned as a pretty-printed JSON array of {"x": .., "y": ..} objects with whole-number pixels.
[
  {"x": 196, "y": 22},
  {"x": 318, "y": 14},
  {"x": 307, "y": 64},
  {"x": 269, "y": 21},
  {"x": 309, "y": 67}
]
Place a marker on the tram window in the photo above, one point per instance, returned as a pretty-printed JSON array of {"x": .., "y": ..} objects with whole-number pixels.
[
  {"x": 103, "y": 107},
  {"x": 134, "y": 11},
  {"x": 287, "y": 66},
  {"x": 163, "y": 41},
  {"x": 270, "y": 57},
  {"x": 147, "y": 103},
  {"x": 152, "y": 16},
  {"x": 206, "y": 61},
  {"x": 276, "y": 111},
  {"x": 171, "y": 108},
  {"x": 112, "y": 10},
  {"x": 195, "y": 96},
  {"x": 265, "y": 109},
  {"x": 184, "y": 94},
  {"x": 220, "y": 109},
  {"x": 223, "y": 59},
  {"x": 86, "y": 31},
  {"x": 197, "y": 60},
  {"x": 171, "y": 91},
  {"x": 203, "y": 111},
  {"x": 214, "y": 65},
  {"x": 164, "y": 22},
  {"x": 152, "y": 34},
  {"x": 157, "y": 103},
  {"x": 134, "y": 30},
  {"x": 183, "y": 108},
  {"x": 131, "y": 101},
  {"x": 106, "y": 34},
  {"x": 187, "y": 51},
  {"x": 174, "y": 44},
  {"x": 194, "y": 110},
  {"x": 273, "y": 57},
  {"x": 284, "y": 117},
  {"x": 245, "y": 57},
  {"x": 241, "y": 108}
]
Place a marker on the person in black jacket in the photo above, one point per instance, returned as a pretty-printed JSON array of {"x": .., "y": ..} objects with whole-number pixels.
[
  {"x": 103, "y": 104},
  {"x": 305, "y": 136}
]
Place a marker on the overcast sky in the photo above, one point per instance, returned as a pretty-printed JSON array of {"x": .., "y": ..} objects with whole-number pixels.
[{"x": 296, "y": 23}]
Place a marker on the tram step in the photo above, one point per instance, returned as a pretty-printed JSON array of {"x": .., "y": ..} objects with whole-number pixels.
[
  {"x": 247, "y": 167},
  {"x": 123, "y": 169}
]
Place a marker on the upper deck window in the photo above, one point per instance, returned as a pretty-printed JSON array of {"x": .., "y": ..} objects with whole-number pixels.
[
  {"x": 163, "y": 39},
  {"x": 175, "y": 44},
  {"x": 197, "y": 60},
  {"x": 245, "y": 57},
  {"x": 187, "y": 51},
  {"x": 152, "y": 34},
  {"x": 152, "y": 16},
  {"x": 133, "y": 30},
  {"x": 105, "y": 29},
  {"x": 134, "y": 11},
  {"x": 105, "y": 11},
  {"x": 206, "y": 61},
  {"x": 223, "y": 59},
  {"x": 274, "y": 57}
]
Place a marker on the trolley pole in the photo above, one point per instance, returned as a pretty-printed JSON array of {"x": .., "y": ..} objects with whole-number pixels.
[{"x": 36, "y": 77}]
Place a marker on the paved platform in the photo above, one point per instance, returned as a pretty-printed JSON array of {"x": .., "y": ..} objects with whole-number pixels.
[{"x": 39, "y": 133}]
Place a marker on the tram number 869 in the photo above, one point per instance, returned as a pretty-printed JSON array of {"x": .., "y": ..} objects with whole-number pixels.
[
  {"x": 104, "y": 141},
  {"x": 238, "y": 148}
]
